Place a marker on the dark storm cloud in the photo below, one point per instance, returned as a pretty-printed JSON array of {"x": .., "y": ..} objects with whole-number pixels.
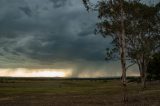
[
  {"x": 26, "y": 10},
  {"x": 58, "y": 3},
  {"x": 50, "y": 33}
]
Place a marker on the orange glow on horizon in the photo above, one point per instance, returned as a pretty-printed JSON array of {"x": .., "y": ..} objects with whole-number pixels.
[{"x": 22, "y": 72}]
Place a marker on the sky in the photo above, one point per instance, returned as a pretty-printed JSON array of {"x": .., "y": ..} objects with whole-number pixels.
[{"x": 52, "y": 38}]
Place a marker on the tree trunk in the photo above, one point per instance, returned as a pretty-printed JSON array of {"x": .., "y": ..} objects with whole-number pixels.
[
  {"x": 144, "y": 75},
  {"x": 124, "y": 82},
  {"x": 143, "y": 69},
  {"x": 143, "y": 80},
  {"x": 122, "y": 53},
  {"x": 123, "y": 65}
]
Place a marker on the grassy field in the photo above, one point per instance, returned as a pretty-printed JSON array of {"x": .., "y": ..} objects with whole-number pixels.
[{"x": 74, "y": 92}]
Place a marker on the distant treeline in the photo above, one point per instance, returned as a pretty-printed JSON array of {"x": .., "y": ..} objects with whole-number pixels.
[{"x": 12, "y": 79}]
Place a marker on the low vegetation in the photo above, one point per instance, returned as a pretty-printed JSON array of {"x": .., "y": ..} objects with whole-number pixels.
[{"x": 75, "y": 92}]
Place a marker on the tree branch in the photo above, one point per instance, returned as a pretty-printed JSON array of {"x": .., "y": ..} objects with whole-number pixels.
[{"x": 130, "y": 65}]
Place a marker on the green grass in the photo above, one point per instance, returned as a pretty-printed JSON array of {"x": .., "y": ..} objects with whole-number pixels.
[
  {"x": 58, "y": 87},
  {"x": 68, "y": 87}
]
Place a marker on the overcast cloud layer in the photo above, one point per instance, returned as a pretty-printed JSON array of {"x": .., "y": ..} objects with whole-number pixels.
[{"x": 56, "y": 34}]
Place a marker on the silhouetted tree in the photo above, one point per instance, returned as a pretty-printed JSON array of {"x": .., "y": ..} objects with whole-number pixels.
[
  {"x": 135, "y": 29},
  {"x": 112, "y": 23},
  {"x": 143, "y": 35}
]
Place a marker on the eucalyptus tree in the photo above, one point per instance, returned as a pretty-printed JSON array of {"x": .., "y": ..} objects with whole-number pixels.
[
  {"x": 143, "y": 35},
  {"x": 135, "y": 29},
  {"x": 112, "y": 23}
]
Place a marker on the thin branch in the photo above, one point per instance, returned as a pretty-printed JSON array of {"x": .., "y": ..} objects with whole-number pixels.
[{"x": 130, "y": 65}]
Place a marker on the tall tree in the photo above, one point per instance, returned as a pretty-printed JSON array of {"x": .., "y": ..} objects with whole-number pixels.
[
  {"x": 135, "y": 29},
  {"x": 143, "y": 35},
  {"x": 112, "y": 16}
]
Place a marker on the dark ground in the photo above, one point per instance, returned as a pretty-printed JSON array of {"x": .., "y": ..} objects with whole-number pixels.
[{"x": 63, "y": 92}]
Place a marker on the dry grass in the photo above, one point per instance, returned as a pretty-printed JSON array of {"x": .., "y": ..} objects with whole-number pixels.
[{"x": 75, "y": 93}]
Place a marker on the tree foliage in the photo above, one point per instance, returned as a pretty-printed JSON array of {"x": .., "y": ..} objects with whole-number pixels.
[{"x": 143, "y": 35}]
